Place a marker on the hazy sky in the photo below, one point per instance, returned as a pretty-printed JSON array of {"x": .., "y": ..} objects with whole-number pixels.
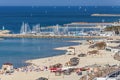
[{"x": 59, "y": 2}]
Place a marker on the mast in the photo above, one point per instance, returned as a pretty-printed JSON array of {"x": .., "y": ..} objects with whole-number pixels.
[
  {"x": 36, "y": 28},
  {"x": 3, "y": 28},
  {"x": 25, "y": 28}
]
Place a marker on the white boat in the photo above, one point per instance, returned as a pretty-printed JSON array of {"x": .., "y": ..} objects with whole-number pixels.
[
  {"x": 36, "y": 29},
  {"x": 25, "y": 29},
  {"x": 3, "y": 28},
  {"x": 82, "y": 33},
  {"x": 56, "y": 30}
]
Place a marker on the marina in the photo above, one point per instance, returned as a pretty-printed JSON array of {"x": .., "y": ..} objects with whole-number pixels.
[{"x": 73, "y": 30}]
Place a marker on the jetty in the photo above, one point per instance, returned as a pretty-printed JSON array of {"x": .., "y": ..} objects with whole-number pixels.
[
  {"x": 72, "y": 30},
  {"x": 88, "y": 25},
  {"x": 45, "y": 36}
]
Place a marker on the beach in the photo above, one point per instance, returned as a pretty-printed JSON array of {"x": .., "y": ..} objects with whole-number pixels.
[{"x": 104, "y": 58}]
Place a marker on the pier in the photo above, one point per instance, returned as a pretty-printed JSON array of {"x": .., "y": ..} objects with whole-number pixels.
[
  {"x": 45, "y": 36},
  {"x": 88, "y": 25}
]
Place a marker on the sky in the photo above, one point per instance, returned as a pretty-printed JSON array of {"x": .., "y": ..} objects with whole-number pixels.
[{"x": 59, "y": 2}]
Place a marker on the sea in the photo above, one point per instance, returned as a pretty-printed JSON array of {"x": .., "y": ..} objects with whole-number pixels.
[{"x": 18, "y": 50}]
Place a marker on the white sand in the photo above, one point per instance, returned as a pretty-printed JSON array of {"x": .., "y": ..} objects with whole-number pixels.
[{"x": 104, "y": 58}]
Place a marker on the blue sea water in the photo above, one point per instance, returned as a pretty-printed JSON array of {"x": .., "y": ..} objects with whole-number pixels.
[
  {"x": 12, "y": 17},
  {"x": 18, "y": 50}
]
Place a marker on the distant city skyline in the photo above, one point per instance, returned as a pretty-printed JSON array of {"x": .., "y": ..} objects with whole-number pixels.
[{"x": 59, "y": 2}]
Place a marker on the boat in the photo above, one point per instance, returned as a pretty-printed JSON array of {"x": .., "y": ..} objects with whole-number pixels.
[
  {"x": 56, "y": 29},
  {"x": 25, "y": 29},
  {"x": 36, "y": 29},
  {"x": 82, "y": 33},
  {"x": 3, "y": 28}
]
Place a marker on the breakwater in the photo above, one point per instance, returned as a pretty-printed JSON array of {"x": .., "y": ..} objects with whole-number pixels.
[{"x": 45, "y": 36}]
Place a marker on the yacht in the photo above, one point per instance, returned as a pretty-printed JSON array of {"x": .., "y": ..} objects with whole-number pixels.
[
  {"x": 25, "y": 28},
  {"x": 36, "y": 29},
  {"x": 82, "y": 33}
]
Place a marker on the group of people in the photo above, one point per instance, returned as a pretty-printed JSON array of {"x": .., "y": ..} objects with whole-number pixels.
[{"x": 32, "y": 68}]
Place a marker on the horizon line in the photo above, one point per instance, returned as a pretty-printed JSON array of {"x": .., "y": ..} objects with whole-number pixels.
[{"x": 58, "y": 6}]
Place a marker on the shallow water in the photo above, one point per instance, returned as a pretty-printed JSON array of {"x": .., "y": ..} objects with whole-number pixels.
[{"x": 18, "y": 50}]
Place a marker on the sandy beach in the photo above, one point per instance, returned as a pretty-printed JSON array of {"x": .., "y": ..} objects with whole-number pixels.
[{"x": 105, "y": 57}]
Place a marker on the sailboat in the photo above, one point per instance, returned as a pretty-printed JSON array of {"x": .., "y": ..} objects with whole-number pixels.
[
  {"x": 3, "y": 28},
  {"x": 82, "y": 33},
  {"x": 25, "y": 29},
  {"x": 36, "y": 29},
  {"x": 65, "y": 31},
  {"x": 56, "y": 29}
]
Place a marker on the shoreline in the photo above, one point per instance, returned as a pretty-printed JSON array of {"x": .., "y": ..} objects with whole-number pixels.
[
  {"x": 105, "y": 58},
  {"x": 78, "y": 48}
]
